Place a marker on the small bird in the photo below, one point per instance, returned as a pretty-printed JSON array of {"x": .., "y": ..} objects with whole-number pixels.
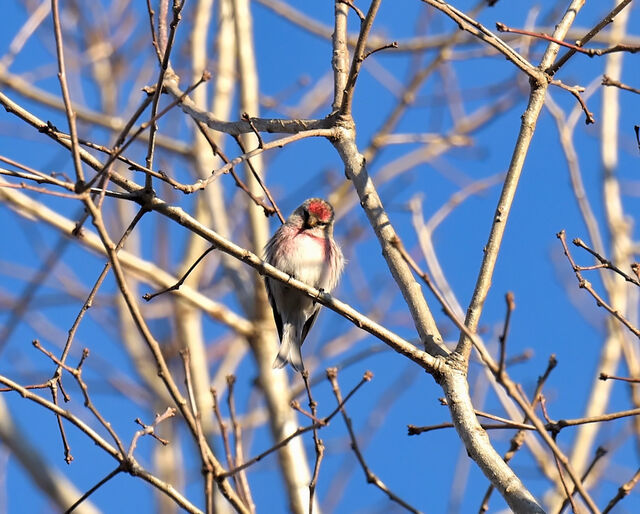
[{"x": 304, "y": 248}]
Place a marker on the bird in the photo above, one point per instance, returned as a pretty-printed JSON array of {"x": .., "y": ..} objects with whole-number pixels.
[{"x": 304, "y": 248}]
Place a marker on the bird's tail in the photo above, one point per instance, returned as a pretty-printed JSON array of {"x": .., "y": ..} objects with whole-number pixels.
[{"x": 289, "y": 350}]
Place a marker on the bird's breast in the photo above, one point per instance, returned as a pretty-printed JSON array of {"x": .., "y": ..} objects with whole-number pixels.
[{"x": 305, "y": 258}]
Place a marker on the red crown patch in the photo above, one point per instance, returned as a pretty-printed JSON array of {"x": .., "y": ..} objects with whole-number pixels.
[{"x": 320, "y": 210}]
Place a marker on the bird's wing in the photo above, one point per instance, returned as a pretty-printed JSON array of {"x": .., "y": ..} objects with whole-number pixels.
[
  {"x": 309, "y": 323},
  {"x": 276, "y": 314}
]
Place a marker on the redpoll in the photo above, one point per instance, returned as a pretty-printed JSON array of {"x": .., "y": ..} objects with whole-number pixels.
[{"x": 304, "y": 248}]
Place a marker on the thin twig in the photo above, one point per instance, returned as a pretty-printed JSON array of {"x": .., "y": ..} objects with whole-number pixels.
[
  {"x": 154, "y": 346},
  {"x": 150, "y": 430},
  {"x": 278, "y": 143},
  {"x": 206, "y": 132},
  {"x": 358, "y": 57},
  {"x": 518, "y": 439},
  {"x": 164, "y": 66},
  {"x": 605, "y": 376},
  {"x": 606, "y": 263},
  {"x": 317, "y": 442},
  {"x": 354, "y": 7},
  {"x": 62, "y": 77},
  {"x": 511, "y": 305},
  {"x": 591, "y": 52},
  {"x": 600, "y": 452},
  {"x": 154, "y": 39},
  {"x": 207, "y": 468},
  {"x": 88, "y": 403},
  {"x": 300, "y": 430},
  {"x": 148, "y": 297},
  {"x": 575, "y": 91},
  {"x": 372, "y": 478},
  {"x": 93, "y": 489},
  {"x": 590, "y": 35},
  {"x": 224, "y": 433},
  {"x": 623, "y": 491},
  {"x": 607, "y": 81},
  {"x": 68, "y": 458},
  {"x": 563, "y": 481},
  {"x": 585, "y": 284},
  {"x": 132, "y": 467},
  {"x": 94, "y": 290},
  {"x": 241, "y": 476},
  {"x": 393, "y": 44},
  {"x": 399, "y": 245},
  {"x": 245, "y": 116},
  {"x": 258, "y": 178},
  {"x": 117, "y": 151}
]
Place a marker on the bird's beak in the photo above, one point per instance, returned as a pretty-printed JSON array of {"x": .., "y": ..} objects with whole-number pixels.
[{"x": 312, "y": 221}]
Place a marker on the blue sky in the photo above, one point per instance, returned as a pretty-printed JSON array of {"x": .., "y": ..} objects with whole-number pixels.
[{"x": 552, "y": 315}]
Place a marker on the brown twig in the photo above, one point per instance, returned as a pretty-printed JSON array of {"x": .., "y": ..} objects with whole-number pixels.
[
  {"x": 148, "y": 297},
  {"x": 590, "y": 35},
  {"x": 563, "y": 481},
  {"x": 132, "y": 467},
  {"x": 163, "y": 370},
  {"x": 205, "y": 131},
  {"x": 150, "y": 430},
  {"x": 511, "y": 305},
  {"x": 111, "y": 151},
  {"x": 278, "y": 143},
  {"x": 432, "y": 287},
  {"x": 623, "y": 491},
  {"x": 245, "y": 116},
  {"x": 607, "y": 81},
  {"x": 241, "y": 477},
  {"x": 600, "y": 452},
  {"x": 258, "y": 178},
  {"x": 164, "y": 66},
  {"x": 591, "y": 52},
  {"x": 354, "y": 7},
  {"x": 507, "y": 425},
  {"x": 93, "y": 489},
  {"x": 69, "y": 186},
  {"x": 62, "y": 77},
  {"x": 474, "y": 27},
  {"x": 116, "y": 152},
  {"x": 585, "y": 284},
  {"x": 295, "y": 405},
  {"x": 518, "y": 439},
  {"x": 575, "y": 91},
  {"x": 605, "y": 376},
  {"x": 154, "y": 39},
  {"x": 317, "y": 442},
  {"x": 301, "y": 430},
  {"x": 94, "y": 290},
  {"x": 68, "y": 458},
  {"x": 606, "y": 263},
  {"x": 224, "y": 433},
  {"x": 207, "y": 468},
  {"x": 393, "y": 44},
  {"x": 358, "y": 57},
  {"x": 372, "y": 478},
  {"x": 88, "y": 403}
]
